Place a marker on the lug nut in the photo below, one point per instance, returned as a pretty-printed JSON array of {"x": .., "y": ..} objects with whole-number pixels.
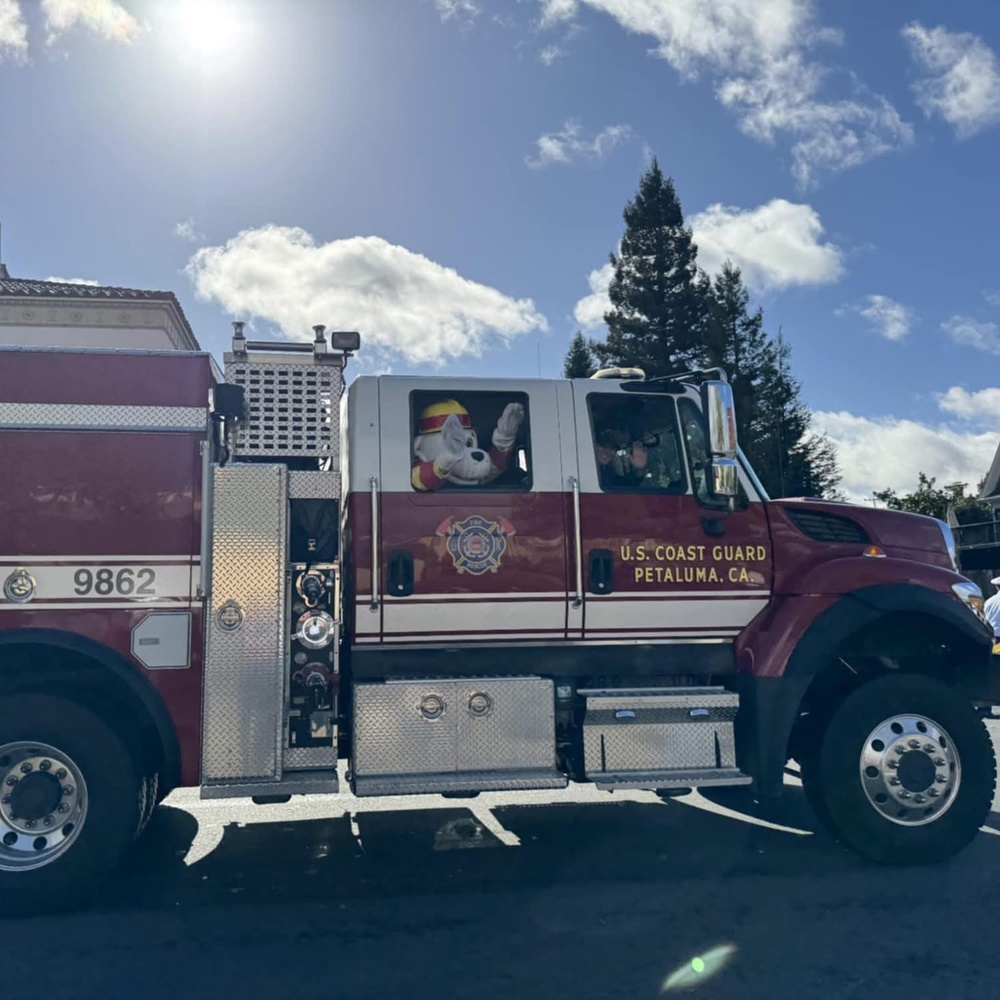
[
  {"x": 12, "y": 781},
  {"x": 941, "y": 779},
  {"x": 919, "y": 798},
  {"x": 5, "y": 800},
  {"x": 914, "y": 744},
  {"x": 894, "y": 764},
  {"x": 68, "y": 789},
  {"x": 894, "y": 781},
  {"x": 930, "y": 748},
  {"x": 904, "y": 794},
  {"x": 29, "y": 824},
  {"x": 899, "y": 748},
  {"x": 48, "y": 821},
  {"x": 933, "y": 793},
  {"x": 26, "y": 768},
  {"x": 939, "y": 762},
  {"x": 61, "y": 773},
  {"x": 46, "y": 765},
  {"x": 63, "y": 807}
]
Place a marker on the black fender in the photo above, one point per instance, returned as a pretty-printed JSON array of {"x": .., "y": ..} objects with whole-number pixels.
[
  {"x": 123, "y": 671},
  {"x": 769, "y": 706}
]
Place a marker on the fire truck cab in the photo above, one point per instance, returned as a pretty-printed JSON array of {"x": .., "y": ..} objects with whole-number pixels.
[{"x": 259, "y": 580}]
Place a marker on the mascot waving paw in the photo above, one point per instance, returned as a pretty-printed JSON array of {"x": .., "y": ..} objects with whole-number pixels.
[{"x": 447, "y": 446}]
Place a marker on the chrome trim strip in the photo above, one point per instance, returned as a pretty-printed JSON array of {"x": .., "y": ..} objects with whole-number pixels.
[
  {"x": 373, "y": 605},
  {"x": 577, "y": 542}
]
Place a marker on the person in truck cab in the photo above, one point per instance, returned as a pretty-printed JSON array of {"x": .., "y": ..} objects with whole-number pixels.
[{"x": 618, "y": 465}]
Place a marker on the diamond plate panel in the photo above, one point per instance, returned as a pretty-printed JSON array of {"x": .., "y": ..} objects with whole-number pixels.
[
  {"x": 88, "y": 416},
  {"x": 392, "y": 737},
  {"x": 645, "y": 732},
  {"x": 304, "y": 758},
  {"x": 245, "y": 667},
  {"x": 293, "y": 407},
  {"x": 314, "y": 485},
  {"x": 517, "y": 732},
  {"x": 479, "y": 781}
]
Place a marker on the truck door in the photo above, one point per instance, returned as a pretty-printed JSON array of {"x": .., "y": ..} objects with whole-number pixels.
[
  {"x": 662, "y": 561},
  {"x": 477, "y": 553}
]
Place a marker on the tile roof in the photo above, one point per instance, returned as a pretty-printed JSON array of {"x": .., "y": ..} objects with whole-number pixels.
[{"x": 64, "y": 290}]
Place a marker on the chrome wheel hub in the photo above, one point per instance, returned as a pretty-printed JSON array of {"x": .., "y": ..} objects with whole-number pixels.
[
  {"x": 910, "y": 770},
  {"x": 43, "y": 805}
]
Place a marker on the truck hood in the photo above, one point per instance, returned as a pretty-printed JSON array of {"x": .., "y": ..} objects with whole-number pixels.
[{"x": 899, "y": 534}]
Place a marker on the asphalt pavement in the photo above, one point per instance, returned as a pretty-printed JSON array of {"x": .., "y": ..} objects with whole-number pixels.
[{"x": 575, "y": 894}]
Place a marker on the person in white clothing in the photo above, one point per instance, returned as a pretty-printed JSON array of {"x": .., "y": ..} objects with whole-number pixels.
[{"x": 992, "y": 609}]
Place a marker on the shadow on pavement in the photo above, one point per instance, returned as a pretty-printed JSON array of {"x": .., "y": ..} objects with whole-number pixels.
[{"x": 447, "y": 851}]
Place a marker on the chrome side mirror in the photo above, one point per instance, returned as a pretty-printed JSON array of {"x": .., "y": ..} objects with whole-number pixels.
[{"x": 720, "y": 416}]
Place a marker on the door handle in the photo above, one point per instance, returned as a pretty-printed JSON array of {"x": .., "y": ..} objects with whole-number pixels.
[
  {"x": 600, "y": 571},
  {"x": 400, "y": 573}
]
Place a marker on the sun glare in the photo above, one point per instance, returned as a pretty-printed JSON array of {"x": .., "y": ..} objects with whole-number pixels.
[{"x": 210, "y": 29}]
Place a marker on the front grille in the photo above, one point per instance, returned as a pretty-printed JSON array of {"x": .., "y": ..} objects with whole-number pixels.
[{"x": 825, "y": 527}]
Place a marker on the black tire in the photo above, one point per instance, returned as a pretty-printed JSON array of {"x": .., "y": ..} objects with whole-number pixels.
[
  {"x": 114, "y": 804},
  {"x": 832, "y": 780}
]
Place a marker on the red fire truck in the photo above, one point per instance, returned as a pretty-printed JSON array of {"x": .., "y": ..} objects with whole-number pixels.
[{"x": 239, "y": 579}]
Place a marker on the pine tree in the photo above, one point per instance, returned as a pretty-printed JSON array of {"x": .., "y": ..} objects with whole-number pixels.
[
  {"x": 579, "y": 361},
  {"x": 791, "y": 459},
  {"x": 656, "y": 320}
]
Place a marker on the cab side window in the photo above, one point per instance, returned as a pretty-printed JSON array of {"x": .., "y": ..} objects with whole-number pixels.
[
  {"x": 636, "y": 443},
  {"x": 470, "y": 441}
]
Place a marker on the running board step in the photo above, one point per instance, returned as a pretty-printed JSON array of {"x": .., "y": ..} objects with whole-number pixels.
[
  {"x": 292, "y": 783},
  {"x": 661, "y": 737},
  {"x": 700, "y": 778}
]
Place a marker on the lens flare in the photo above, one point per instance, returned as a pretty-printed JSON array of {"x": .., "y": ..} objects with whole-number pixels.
[{"x": 699, "y": 969}]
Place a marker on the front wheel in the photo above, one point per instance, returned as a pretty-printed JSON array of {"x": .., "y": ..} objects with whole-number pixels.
[
  {"x": 904, "y": 773},
  {"x": 70, "y": 803}
]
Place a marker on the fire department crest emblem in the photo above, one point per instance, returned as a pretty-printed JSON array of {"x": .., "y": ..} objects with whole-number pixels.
[{"x": 476, "y": 545}]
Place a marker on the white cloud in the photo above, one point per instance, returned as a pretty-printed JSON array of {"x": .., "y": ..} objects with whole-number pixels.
[
  {"x": 74, "y": 281},
  {"x": 886, "y": 453},
  {"x": 992, "y": 297},
  {"x": 962, "y": 84},
  {"x": 971, "y": 332},
  {"x": 982, "y": 406},
  {"x": 402, "y": 303},
  {"x": 568, "y": 144},
  {"x": 885, "y": 316},
  {"x": 13, "y": 31},
  {"x": 457, "y": 8},
  {"x": 186, "y": 231},
  {"x": 557, "y": 11},
  {"x": 550, "y": 54},
  {"x": 105, "y": 18},
  {"x": 775, "y": 245},
  {"x": 589, "y": 311},
  {"x": 756, "y": 53}
]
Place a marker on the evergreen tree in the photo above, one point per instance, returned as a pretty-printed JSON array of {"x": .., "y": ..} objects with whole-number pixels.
[
  {"x": 936, "y": 501},
  {"x": 656, "y": 320},
  {"x": 579, "y": 361}
]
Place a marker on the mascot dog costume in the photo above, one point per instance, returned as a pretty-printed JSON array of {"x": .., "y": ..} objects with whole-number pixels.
[{"x": 448, "y": 451}]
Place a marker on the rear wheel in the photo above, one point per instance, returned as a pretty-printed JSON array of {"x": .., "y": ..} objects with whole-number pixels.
[
  {"x": 904, "y": 773},
  {"x": 71, "y": 802}
]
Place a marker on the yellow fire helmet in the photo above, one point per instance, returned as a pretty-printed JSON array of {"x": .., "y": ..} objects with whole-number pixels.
[{"x": 433, "y": 417}]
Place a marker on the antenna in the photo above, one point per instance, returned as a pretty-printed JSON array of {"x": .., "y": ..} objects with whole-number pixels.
[{"x": 3, "y": 269}]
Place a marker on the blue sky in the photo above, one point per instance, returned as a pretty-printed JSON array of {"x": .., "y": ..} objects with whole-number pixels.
[{"x": 448, "y": 177}]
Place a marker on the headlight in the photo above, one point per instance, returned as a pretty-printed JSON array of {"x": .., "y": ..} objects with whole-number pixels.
[
  {"x": 949, "y": 543},
  {"x": 972, "y": 597}
]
